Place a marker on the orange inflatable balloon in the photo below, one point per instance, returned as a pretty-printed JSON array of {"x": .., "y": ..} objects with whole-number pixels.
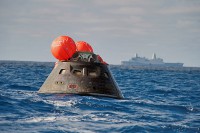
[
  {"x": 105, "y": 63},
  {"x": 83, "y": 47},
  {"x": 101, "y": 60},
  {"x": 63, "y": 47}
]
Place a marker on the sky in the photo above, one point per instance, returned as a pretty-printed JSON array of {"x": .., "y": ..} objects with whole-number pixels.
[{"x": 116, "y": 29}]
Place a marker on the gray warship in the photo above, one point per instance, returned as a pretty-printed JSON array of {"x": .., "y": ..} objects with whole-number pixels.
[
  {"x": 83, "y": 74},
  {"x": 144, "y": 62}
]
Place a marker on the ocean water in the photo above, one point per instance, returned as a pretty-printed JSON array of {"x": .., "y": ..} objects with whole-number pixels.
[{"x": 155, "y": 101}]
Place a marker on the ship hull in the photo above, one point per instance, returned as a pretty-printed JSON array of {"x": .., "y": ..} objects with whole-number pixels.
[{"x": 137, "y": 64}]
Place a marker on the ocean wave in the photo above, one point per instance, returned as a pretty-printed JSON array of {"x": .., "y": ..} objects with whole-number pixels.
[{"x": 155, "y": 101}]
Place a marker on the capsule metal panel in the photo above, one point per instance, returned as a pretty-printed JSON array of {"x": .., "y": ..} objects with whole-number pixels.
[{"x": 83, "y": 78}]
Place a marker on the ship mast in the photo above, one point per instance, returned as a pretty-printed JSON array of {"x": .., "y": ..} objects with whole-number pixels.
[
  {"x": 154, "y": 56},
  {"x": 136, "y": 55}
]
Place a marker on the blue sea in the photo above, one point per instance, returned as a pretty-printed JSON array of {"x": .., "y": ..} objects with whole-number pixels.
[{"x": 155, "y": 101}]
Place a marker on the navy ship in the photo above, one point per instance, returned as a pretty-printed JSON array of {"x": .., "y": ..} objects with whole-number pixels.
[{"x": 154, "y": 62}]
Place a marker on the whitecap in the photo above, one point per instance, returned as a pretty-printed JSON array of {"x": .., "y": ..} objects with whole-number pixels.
[
  {"x": 60, "y": 103},
  {"x": 41, "y": 119}
]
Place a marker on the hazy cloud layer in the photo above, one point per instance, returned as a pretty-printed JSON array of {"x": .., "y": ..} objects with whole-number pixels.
[{"x": 116, "y": 29}]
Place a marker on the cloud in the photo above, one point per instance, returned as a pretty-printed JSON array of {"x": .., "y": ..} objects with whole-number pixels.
[
  {"x": 95, "y": 16},
  {"x": 178, "y": 10},
  {"x": 188, "y": 24},
  {"x": 140, "y": 25},
  {"x": 127, "y": 10},
  {"x": 119, "y": 3}
]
